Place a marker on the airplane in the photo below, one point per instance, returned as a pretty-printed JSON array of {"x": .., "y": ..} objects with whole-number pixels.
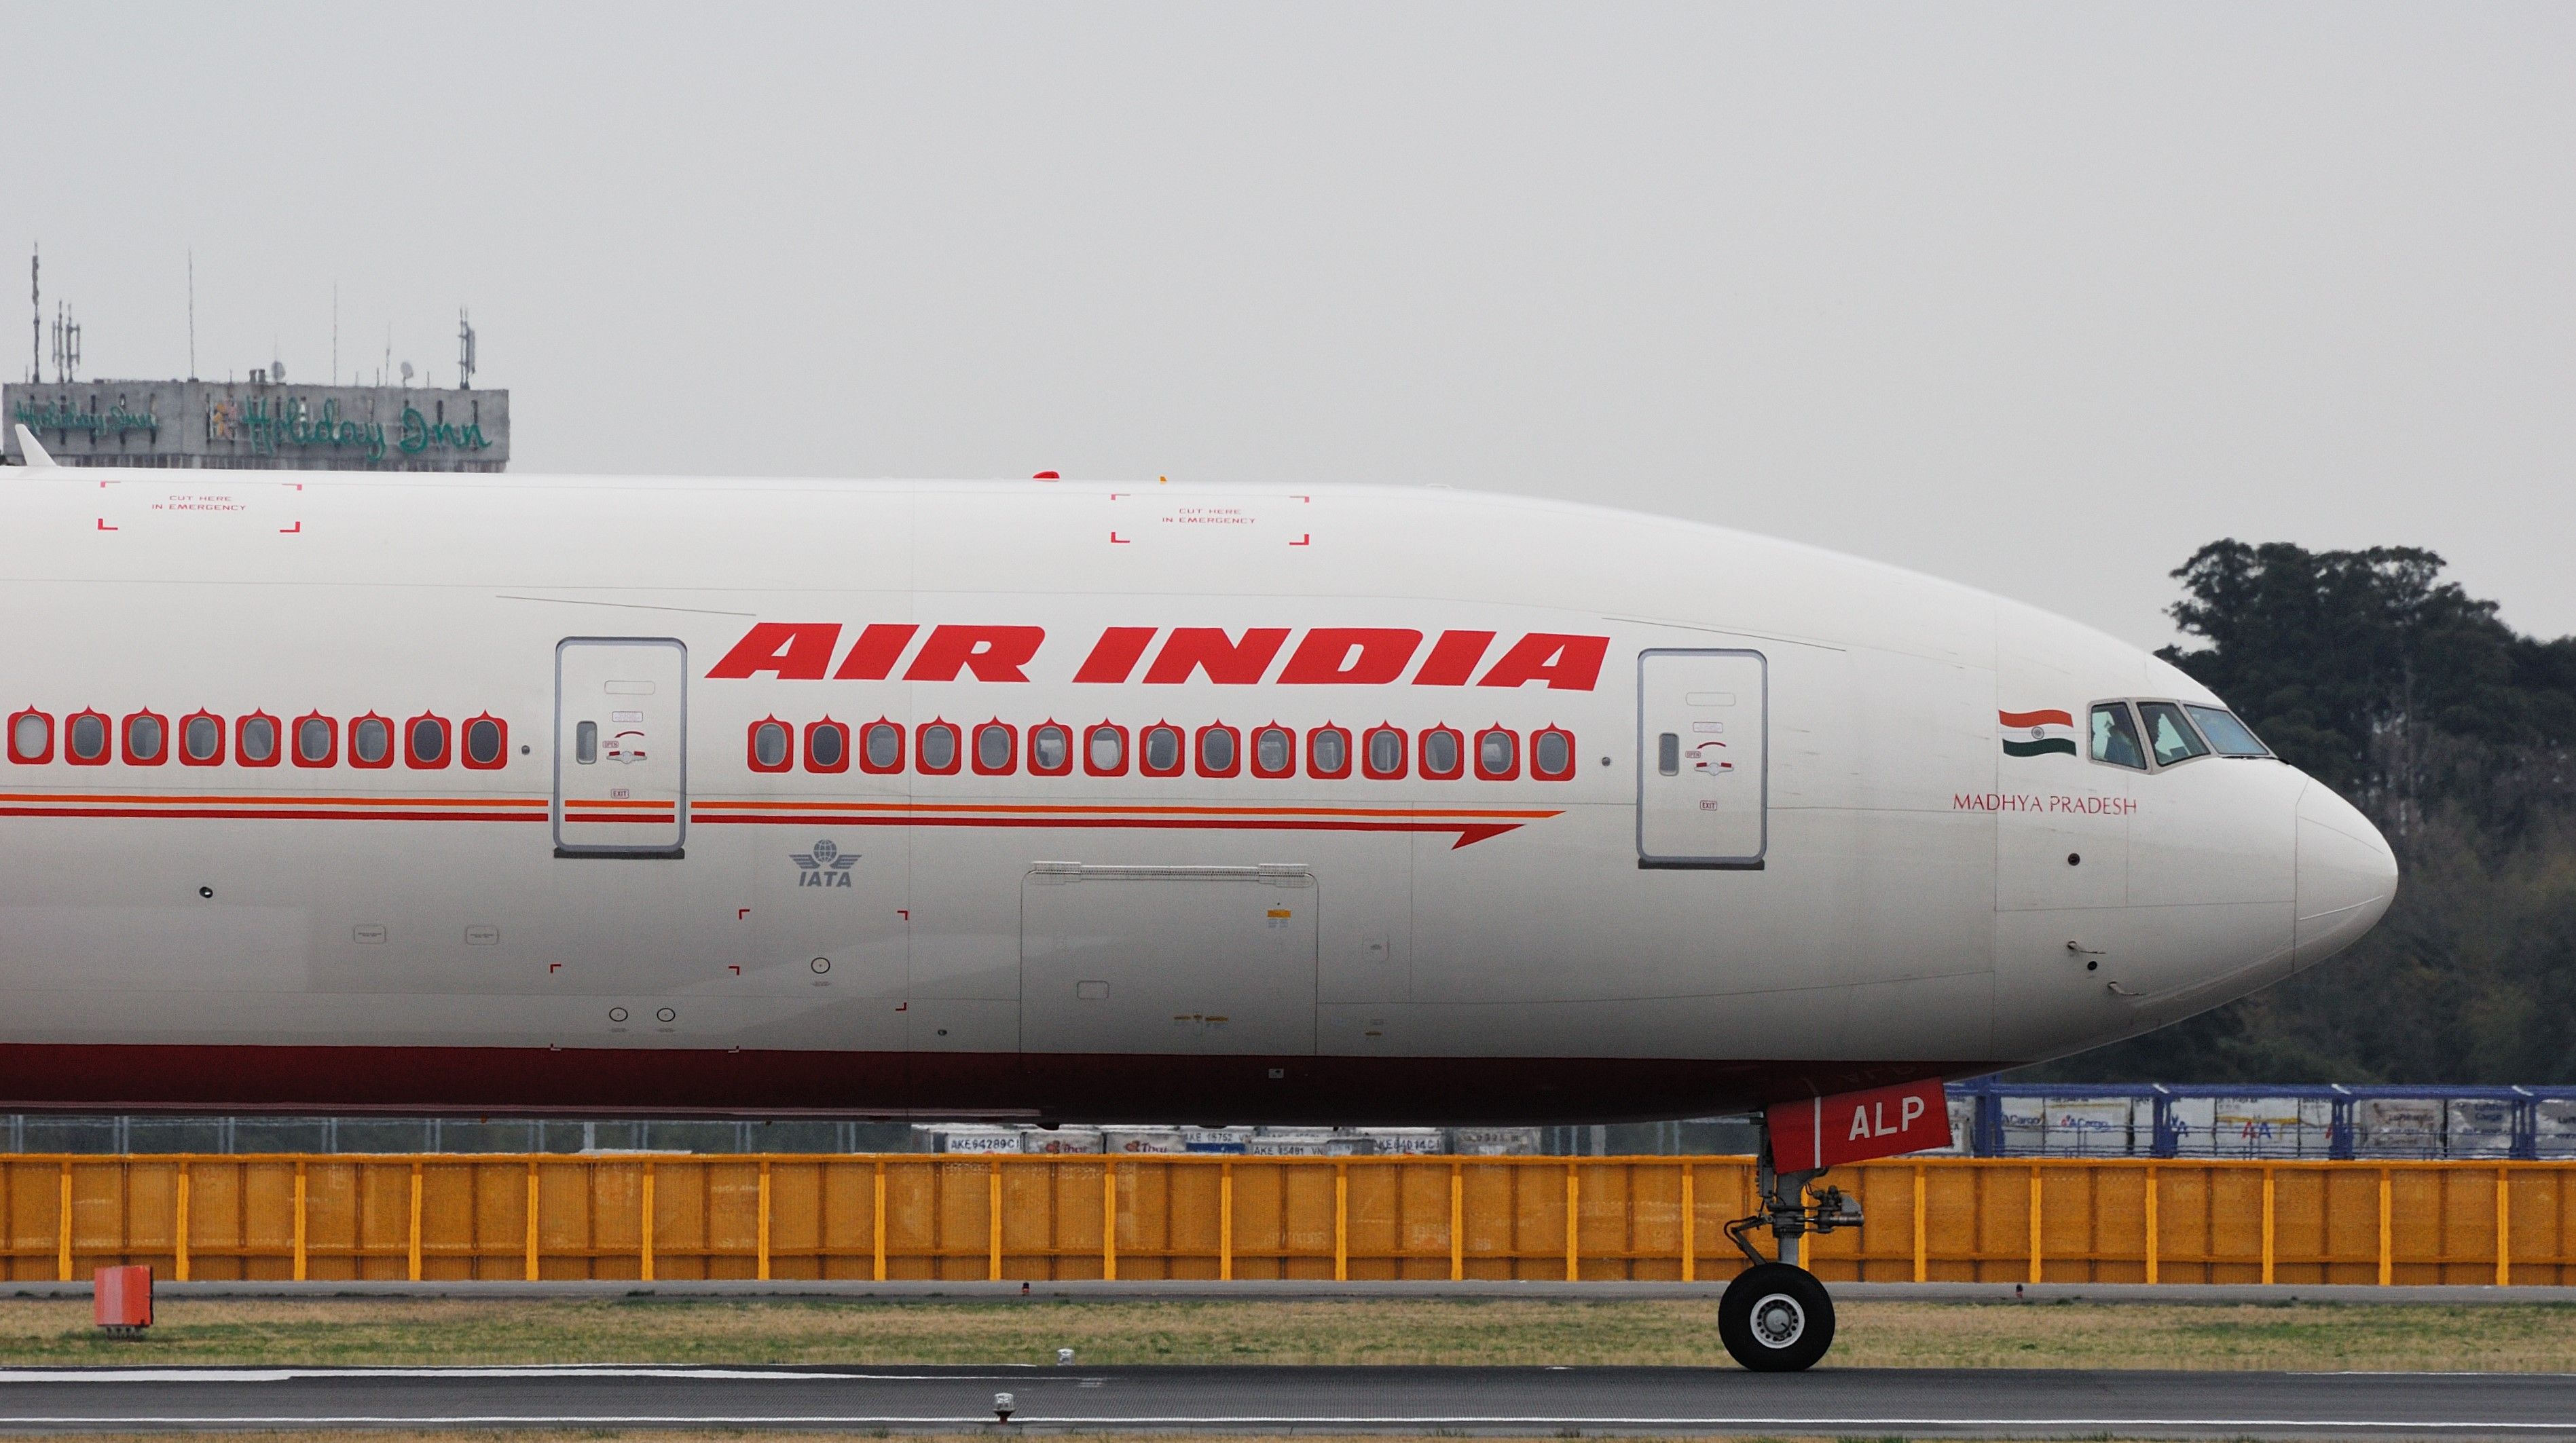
[{"x": 1058, "y": 800}]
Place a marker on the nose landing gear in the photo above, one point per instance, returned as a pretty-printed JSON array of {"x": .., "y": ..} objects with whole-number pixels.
[{"x": 1776, "y": 1317}]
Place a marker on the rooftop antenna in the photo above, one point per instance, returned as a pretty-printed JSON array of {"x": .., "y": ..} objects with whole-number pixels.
[
  {"x": 66, "y": 345},
  {"x": 464, "y": 350},
  {"x": 192, "y": 313}
]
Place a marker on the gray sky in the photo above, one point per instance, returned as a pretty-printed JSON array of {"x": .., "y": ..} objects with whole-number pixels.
[{"x": 2035, "y": 297}]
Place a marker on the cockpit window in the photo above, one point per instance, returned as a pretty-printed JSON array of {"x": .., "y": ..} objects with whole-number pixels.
[
  {"x": 2227, "y": 736},
  {"x": 2115, "y": 737},
  {"x": 2171, "y": 736}
]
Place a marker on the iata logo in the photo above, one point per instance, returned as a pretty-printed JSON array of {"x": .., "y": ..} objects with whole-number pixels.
[{"x": 824, "y": 866}]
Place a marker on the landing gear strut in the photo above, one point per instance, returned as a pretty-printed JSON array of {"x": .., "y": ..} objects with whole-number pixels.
[{"x": 1775, "y": 1317}]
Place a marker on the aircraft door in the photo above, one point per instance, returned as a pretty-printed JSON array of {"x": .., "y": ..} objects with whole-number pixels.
[
  {"x": 621, "y": 746},
  {"x": 1703, "y": 751},
  {"x": 1175, "y": 960}
]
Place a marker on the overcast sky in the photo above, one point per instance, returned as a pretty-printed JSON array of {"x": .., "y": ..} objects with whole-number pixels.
[{"x": 2035, "y": 297}]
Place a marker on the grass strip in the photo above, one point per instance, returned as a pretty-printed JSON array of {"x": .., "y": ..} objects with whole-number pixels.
[{"x": 2301, "y": 1336}]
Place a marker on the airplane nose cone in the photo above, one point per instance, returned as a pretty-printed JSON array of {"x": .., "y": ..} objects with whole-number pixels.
[{"x": 2347, "y": 875}]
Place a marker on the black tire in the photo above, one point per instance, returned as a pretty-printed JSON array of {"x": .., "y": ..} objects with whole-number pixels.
[{"x": 1776, "y": 1318}]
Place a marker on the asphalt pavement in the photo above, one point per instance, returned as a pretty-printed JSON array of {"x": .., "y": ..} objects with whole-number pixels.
[{"x": 1500, "y": 1401}]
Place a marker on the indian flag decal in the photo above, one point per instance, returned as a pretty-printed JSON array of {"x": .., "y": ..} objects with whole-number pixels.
[{"x": 2036, "y": 733}]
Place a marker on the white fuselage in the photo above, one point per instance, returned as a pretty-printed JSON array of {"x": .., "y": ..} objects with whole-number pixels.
[{"x": 1730, "y": 819}]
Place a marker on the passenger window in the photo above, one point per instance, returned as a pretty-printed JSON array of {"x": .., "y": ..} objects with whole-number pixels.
[
  {"x": 317, "y": 740},
  {"x": 1162, "y": 751},
  {"x": 371, "y": 742},
  {"x": 31, "y": 738},
  {"x": 88, "y": 738},
  {"x": 1552, "y": 754},
  {"x": 1274, "y": 752},
  {"x": 485, "y": 740},
  {"x": 585, "y": 743},
  {"x": 1385, "y": 755},
  {"x": 1328, "y": 752},
  {"x": 1498, "y": 754},
  {"x": 425, "y": 742},
  {"x": 1105, "y": 751},
  {"x": 827, "y": 747},
  {"x": 1440, "y": 758},
  {"x": 770, "y": 743},
  {"x": 1050, "y": 750},
  {"x": 883, "y": 751},
  {"x": 938, "y": 748},
  {"x": 146, "y": 740},
  {"x": 201, "y": 740},
  {"x": 1218, "y": 755},
  {"x": 2172, "y": 737},
  {"x": 255, "y": 740},
  {"x": 2227, "y": 736},
  {"x": 2115, "y": 737},
  {"x": 997, "y": 749}
]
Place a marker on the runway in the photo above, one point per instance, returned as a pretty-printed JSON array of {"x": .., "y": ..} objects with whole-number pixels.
[{"x": 1498, "y": 1401}]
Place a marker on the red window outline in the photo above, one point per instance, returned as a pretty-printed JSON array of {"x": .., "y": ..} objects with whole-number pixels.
[
  {"x": 125, "y": 739},
  {"x": 181, "y": 737},
  {"x": 1180, "y": 751},
  {"x": 1252, "y": 753},
  {"x": 276, "y": 739},
  {"x": 465, "y": 750},
  {"x": 815, "y": 728},
  {"x": 1457, "y": 769},
  {"x": 1368, "y": 752},
  {"x": 106, "y": 738},
  {"x": 446, "y": 742},
  {"x": 751, "y": 747},
  {"x": 868, "y": 730},
  {"x": 1198, "y": 750},
  {"x": 1062, "y": 771},
  {"x": 1124, "y": 759},
  {"x": 956, "y": 749},
  {"x": 975, "y": 751},
  {"x": 39, "y": 758},
  {"x": 1507, "y": 774},
  {"x": 1566, "y": 775},
  {"x": 1345, "y": 734},
  {"x": 295, "y": 740},
  {"x": 392, "y": 742}
]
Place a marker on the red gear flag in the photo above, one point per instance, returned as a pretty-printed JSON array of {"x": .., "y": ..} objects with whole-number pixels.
[{"x": 1821, "y": 1132}]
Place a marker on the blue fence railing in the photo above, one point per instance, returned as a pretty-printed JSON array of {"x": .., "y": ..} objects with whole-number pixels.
[{"x": 1992, "y": 1117}]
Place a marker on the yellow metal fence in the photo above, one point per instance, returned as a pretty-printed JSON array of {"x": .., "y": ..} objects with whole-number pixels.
[{"x": 1040, "y": 1217}]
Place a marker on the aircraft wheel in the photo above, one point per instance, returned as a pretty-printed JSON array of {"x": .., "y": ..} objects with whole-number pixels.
[{"x": 1775, "y": 1318}]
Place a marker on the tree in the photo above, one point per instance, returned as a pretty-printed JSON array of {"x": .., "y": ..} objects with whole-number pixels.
[{"x": 2369, "y": 672}]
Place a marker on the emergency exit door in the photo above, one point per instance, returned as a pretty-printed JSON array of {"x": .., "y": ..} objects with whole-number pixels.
[
  {"x": 1702, "y": 751},
  {"x": 621, "y": 746}
]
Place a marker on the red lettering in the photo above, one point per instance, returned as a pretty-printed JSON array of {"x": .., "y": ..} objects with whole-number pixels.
[
  {"x": 1206, "y": 648},
  {"x": 993, "y": 653},
  {"x": 796, "y": 650},
  {"x": 872, "y": 656},
  {"x": 1350, "y": 655},
  {"x": 1565, "y": 663},
  {"x": 1114, "y": 657},
  {"x": 1453, "y": 658}
]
